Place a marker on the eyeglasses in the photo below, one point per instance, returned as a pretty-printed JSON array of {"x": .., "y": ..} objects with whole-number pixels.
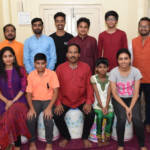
[
  {"x": 110, "y": 19},
  {"x": 144, "y": 27}
]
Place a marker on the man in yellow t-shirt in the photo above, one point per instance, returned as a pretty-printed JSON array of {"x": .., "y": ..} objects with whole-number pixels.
[{"x": 10, "y": 35}]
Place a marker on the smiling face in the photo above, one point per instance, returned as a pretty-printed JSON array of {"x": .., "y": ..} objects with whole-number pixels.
[
  {"x": 8, "y": 58},
  {"x": 73, "y": 54},
  {"x": 144, "y": 28},
  {"x": 83, "y": 29},
  {"x": 10, "y": 33},
  {"x": 60, "y": 23},
  {"x": 111, "y": 22},
  {"x": 124, "y": 60}
]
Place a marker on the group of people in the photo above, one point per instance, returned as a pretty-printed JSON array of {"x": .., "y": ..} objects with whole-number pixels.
[{"x": 98, "y": 79}]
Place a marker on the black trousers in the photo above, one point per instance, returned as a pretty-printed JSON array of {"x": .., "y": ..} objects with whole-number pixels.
[
  {"x": 145, "y": 88},
  {"x": 121, "y": 120},
  {"x": 88, "y": 122},
  {"x": 39, "y": 106},
  {"x": 18, "y": 142}
]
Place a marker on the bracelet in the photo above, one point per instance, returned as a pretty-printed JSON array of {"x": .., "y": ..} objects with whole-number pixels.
[{"x": 13, "y": 101}]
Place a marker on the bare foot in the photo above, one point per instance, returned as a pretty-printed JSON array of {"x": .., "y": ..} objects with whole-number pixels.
[
  {"x": 143, "y": 148},
  {"x": 32, "y": 146},
  {"x": 16, "y": 148},
  {"x": 63, "y": 143},
  {"x": 48, "y": 147},
  {"x": 87, "y": 143},
  {"x": 100, "y": 144},
  {"x": 106, "y": 140},
  {"x": 120, "y": 148},
  {"x": 147, "y": 127},
  {"x": 105, "y": 143}
]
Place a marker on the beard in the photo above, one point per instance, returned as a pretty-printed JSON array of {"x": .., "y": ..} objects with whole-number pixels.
[
  {"x": 10, "y": 38},
  {"x": 144, "y": 34},
  {"x": 37, "y": 31}
]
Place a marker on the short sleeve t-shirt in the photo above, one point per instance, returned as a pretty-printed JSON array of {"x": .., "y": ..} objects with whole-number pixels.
[
  {"x": 41, "y": 87},
  {"x": 125, "y": 84}
]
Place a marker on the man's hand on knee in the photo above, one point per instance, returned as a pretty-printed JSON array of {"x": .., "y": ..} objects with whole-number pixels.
[
  {"x": 87, "y": 108},
  {"x": 59, "y": 110}
]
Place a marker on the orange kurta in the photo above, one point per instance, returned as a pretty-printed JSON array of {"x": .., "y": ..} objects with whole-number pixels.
[
  {"x": 141, "y": 57},
  {"x": 17, "y": 47}
]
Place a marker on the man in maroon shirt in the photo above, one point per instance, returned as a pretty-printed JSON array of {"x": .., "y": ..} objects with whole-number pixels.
[
  {"x": 75, "y": 92},
  {"x": 88, "y": 44},
  {"x": 111, "y": 40}
]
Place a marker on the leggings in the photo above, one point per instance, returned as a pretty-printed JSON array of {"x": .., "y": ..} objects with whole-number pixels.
[
  {"x": 121, "y": 120},
  {"x": 109, "y": 119}
]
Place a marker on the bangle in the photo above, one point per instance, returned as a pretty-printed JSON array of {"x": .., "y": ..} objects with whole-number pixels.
[{"x": 13, "y": 101}]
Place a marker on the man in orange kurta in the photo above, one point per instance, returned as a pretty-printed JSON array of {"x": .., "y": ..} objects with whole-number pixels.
[
  {"x": 10, "y": 35},
  {"x": 141, "y": 60}
]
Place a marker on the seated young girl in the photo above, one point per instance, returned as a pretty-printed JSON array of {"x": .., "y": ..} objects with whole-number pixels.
[{"x": 102, "y": 105}]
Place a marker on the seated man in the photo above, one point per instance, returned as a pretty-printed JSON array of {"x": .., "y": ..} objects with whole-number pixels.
[{"x": 75, "y": 92}]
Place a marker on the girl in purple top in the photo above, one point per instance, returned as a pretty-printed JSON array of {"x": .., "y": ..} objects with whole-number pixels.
[
  {"x": 13, "y": 107},
  {"x": 125, "y": 83}
]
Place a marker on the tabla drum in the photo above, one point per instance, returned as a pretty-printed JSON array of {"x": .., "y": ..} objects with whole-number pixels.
[
  {"x": 74, "y": 121},
  {"x": 24, "y": 140},
  {"x": 128, "y": 135},
  {"x": 41, "y": 130}
]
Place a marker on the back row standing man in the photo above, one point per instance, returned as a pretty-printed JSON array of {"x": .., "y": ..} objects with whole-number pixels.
[
  {"x": 60, "y": 37},
  {"x": 111, "y": 40},
  {"x": 10, "y": 36},
  {"x": 141, "y": 60},
  {"x": 38, "y": 43},
  {"x": 88, "y": 44}
]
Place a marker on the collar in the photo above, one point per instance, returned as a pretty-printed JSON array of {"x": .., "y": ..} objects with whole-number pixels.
[
  {"x": 104, "y": 82},
  {"x": 82, "y": 38},
  {"x": 45, "y": 73},
  {"x": 70, "y": 67},
  {"x": 8, "y": 42},
  {"x": 148, "y": 37},
  {"x": 36, "y": 37}
]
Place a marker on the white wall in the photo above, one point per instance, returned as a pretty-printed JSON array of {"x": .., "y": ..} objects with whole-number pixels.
[{"x": 129, "y": 13}]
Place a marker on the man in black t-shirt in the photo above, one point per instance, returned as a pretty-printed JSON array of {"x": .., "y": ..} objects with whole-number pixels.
[{"x": 60, "y": 37}]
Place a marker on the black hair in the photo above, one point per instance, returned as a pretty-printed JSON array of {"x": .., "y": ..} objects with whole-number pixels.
[
  {"x": 74, "y": 44},
  {"x": 9, "y": 25},
  {"x": 102, "y": 60},
  {"x": 111, "y": 13},
  {"x": 83, "y": 19},
  {"x": 36, "y": 20},
  {"x": 144, "y": 19},
  {"x": 40, "y": 56},
  {"x": 60, "y": 14},
  {"x": 123, "y": 50},
  {"x": 2, "y": 65}
]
